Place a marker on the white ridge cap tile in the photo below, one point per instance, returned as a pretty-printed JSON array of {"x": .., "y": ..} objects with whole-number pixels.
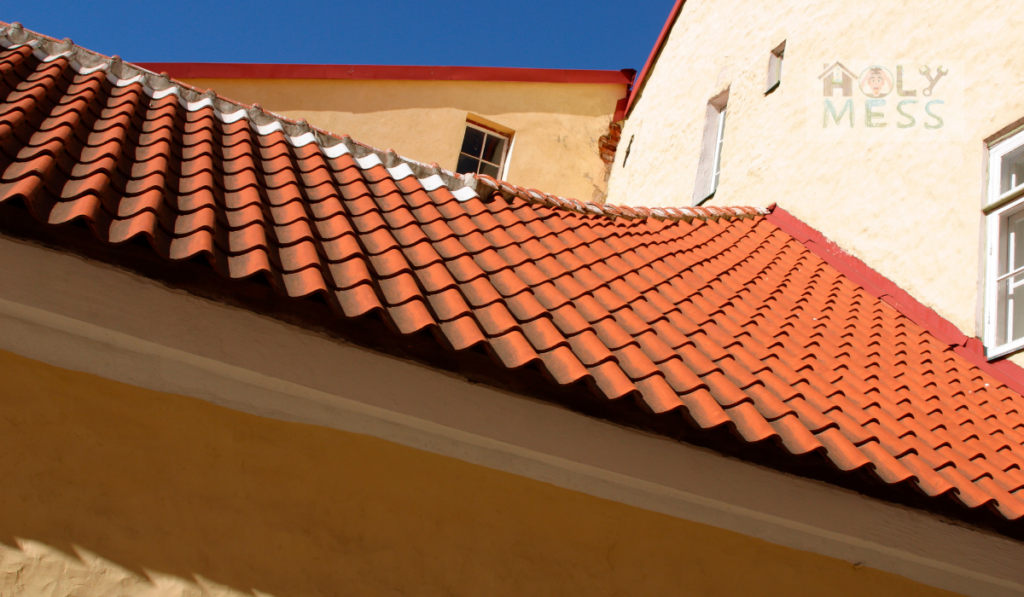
[
  {"x": 432, "y": 182},
  {"x": 400, "y": 171},
  {"x": 193, "y": 106},
  {"x": 88, "y": 70},
  {"x": 162, "y": 93},
  {"x": 229, "y": 117},
  {"x": 302, "y": 140},
  {"x": 336, "y": 151},
  {"x": 369, "y": 161},
  {"x": 266, "y": 129},
  {"x": 464, "y": 194},
  {"x": 46, "y": 58},
  {"x": 13, "y": 46},
  {"x": 118, "y": 82}
]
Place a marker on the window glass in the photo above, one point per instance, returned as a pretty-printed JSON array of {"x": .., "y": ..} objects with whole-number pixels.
[
  {"x": 709, "y": 167},
  {"x": 1012, "y": 280},
  {"x": 775, "y": 60},
  {"x": 718, "y": 150},
  {"x": 494, "y": 148},
  {"x": 467, "y": 165},
  {"x": 489, "y": 169},
  {"x": 1012, "y": 170},
  {"x": 1016, "y": 242},
  {"x": 1016, "y": 305},
  {"x": 483, "y": 152},
  {"x": 1010, "y": 283},
  {"x": 473, "y": 143}
]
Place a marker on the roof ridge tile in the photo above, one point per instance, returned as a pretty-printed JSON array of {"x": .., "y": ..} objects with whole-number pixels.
[{"x": 299, "y": 132}]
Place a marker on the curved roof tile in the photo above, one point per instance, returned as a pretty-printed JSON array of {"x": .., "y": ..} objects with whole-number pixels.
[{"x": 715, "y": 313}]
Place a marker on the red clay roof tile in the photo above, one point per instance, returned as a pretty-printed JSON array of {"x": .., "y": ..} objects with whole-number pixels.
[{"x": 715, "y": 312}]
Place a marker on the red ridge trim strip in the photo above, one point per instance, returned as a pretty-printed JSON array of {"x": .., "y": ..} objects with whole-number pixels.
[
  {"x": 226, "y": 70},
  {"x": 885, "y": 289}
]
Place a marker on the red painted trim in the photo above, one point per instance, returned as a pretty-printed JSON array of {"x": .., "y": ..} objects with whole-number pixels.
[
  {"x": 885, "y": 289},
  {"x": 620, "y": 109},
  {"x": 215, "y": 70},
  {"x": 638, "y": 82}
]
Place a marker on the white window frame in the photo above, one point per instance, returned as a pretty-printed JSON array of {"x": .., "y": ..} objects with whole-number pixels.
[
  {"x": 717, "y": 171},
  {"x": 709, "y": 166},
  {"x": 505, "y": 152},
  {"x": 999, "y": 208}
]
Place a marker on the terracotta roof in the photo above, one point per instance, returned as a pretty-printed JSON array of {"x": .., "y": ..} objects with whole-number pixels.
[{"x": 716, "y": 314}]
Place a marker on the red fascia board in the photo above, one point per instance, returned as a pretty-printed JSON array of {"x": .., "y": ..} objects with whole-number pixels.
[
  {"x": 223, "y": 70},
  {"x": 638, "y": 82},
  {"x": 885, "y": 289},
  {"x": 620, "y": 109}
]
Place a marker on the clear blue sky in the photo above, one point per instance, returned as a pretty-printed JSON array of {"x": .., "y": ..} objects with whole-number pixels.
[{"x": 597, "y": 34}]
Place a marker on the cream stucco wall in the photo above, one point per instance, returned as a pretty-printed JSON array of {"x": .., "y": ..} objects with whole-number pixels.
[
  {"x": 556, "y": 125},
  {"x": 110, "y": 489},
  {"x": 907, "y": 206}
]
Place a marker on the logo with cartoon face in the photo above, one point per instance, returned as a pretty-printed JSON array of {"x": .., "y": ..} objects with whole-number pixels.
[
  {"x": 894, "y": 96},
  {"x": 875, "y": 81}
]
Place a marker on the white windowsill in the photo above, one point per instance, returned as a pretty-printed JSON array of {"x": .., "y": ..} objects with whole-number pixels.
[{"x": 1004, "y": 349}]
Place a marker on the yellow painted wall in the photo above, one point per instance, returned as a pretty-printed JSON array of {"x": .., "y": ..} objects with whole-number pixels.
[
  {"x": 909, "y": 209},
  {"x": 109, "y": 489},
  {"x": 557, "y": 125}
]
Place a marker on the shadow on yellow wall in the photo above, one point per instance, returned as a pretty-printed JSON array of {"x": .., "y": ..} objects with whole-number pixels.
[{"x": 176, "y": 488}]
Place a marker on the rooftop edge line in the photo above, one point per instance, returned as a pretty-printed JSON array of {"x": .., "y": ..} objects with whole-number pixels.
[
  {"x": 229, "y": 70},
  {"x": 638, "y": 81},
  {"x": 885, "y": 289}
]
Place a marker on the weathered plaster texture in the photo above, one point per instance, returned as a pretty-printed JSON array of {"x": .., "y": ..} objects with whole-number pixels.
[
  {"x": 910, "y": 210},
  {"x": 557, "y": 125},
  {"x": 115, "y": 490}
]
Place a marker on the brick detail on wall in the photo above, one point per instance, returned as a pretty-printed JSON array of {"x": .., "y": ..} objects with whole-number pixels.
[
  {"x": 607, "y": 144},
  {"x": 606, "y": 147}
]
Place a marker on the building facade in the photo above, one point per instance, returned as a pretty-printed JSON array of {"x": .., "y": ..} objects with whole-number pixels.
[
  {"x": 547, "y": 126},
  {"x": 245, "y": 355},
  {"x": 898, "y": 176}
]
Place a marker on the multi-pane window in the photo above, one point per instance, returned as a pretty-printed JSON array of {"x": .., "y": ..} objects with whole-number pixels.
[
  {"x": 1004, "y": 289},
  {"x": 483, "y": 152}
]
